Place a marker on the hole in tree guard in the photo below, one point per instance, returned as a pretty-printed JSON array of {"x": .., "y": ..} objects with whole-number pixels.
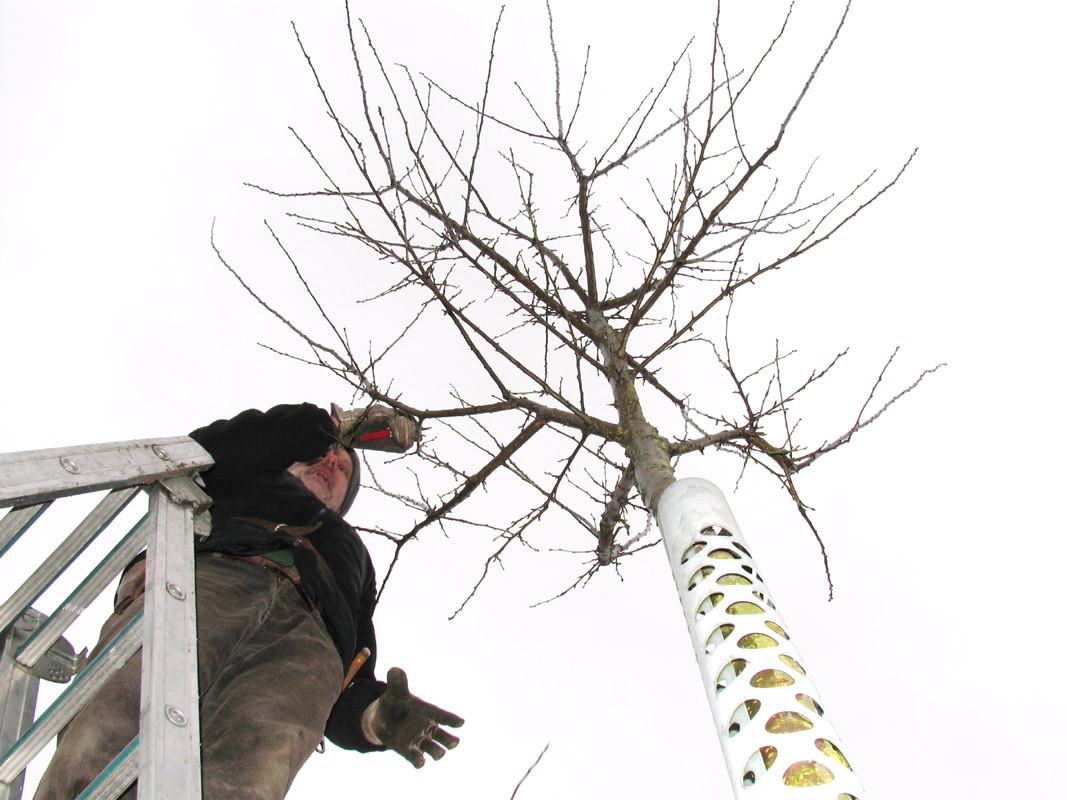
[
  {"x": 715, "y": 530},
  {"x": 699, "y": 575},
  {"x": 758, "y": 764},
  {"x": 742, "y": 715},
  {"x": 789, "y": 661},
  {"x": 744, "y": 607},
  {"x": 723, "y": 552},
  {"x": 754, "y": 641},
  {"x": 692, "y": 550},
  {"x": 774, "y": 626},
  {"x": 762, "y": 597},
  {"x": 807, "y": 773},
  {"x": 733, "y": 579},
  {"x": 788, "y": 722},
  {"x": 832, "y": 750},
  {"x": 708, "y": 603},
  {"x": 808, "y": 702},
  {"x": 728, "y": 673},
  {"x": 717, "y": 637},
  {"x": 770, "y": 678}
]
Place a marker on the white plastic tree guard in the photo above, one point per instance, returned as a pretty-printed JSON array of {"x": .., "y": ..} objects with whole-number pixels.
[{"x": 775, "y": 735}]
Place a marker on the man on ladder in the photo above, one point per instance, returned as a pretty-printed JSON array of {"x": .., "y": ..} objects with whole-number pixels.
[{"x": 285, "y": 595}]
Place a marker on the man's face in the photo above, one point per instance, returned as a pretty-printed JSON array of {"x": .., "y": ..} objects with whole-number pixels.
[{"x": 326, "y": 478}]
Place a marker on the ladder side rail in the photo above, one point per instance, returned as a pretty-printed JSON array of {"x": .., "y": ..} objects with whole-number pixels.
[
  {"x": 19, "y": 690},
  {"x": 34, "y": 476},
  {"x": 170, "y": 714}
]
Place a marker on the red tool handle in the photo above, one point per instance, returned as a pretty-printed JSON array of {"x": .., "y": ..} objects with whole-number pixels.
[{"x": 385, "y": 433}]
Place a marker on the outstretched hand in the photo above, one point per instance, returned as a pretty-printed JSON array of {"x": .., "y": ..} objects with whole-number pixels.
[{"x": 407, "y": 724}]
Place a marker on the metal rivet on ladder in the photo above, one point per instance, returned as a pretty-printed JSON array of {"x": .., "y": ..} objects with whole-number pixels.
[
  {"x": 69, "y": 464},
  {"x": 159, "y": 451},
  {"x": 175, "y": 715},
  {"x": 175, "y": 591}
]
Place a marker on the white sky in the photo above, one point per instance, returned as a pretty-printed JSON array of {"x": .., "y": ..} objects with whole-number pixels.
[{"x": 126, "y": 129}]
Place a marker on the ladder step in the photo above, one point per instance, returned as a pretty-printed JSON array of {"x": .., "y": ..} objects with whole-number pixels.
[
  {"x": 44, "y": 637},
  {"x": 18, "y": 520},
  {"x": 117, "y": 653},
  {"x": 116, "y": 777}
]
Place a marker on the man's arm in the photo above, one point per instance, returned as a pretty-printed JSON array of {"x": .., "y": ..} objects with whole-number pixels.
[
  {"x": 344, "y": 726},
  {"x": 371, "y": 715},
  {"x": 257, "y": 441}
]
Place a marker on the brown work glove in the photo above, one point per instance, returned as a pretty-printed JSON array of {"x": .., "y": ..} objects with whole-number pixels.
[
  {"x": 376, "y": 428},
  {"x": 408, "y": 725}
]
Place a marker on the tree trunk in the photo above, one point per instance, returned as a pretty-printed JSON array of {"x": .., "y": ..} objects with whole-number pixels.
[
  {"x": 773, "y": 730},
  {"x": 647, "y": 450}
]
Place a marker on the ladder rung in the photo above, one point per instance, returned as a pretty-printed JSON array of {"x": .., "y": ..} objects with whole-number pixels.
[
  {"x": 97, "y": 519},
  {"x": 119, "y": 774},
  {"x": 18, "y": 520},
  {"x": 45, "y": 636},
  {"x": 117, "y": 653}
]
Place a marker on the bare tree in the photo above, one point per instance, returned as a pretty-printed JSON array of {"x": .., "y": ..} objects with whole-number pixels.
[
  {"x": 579, "y": 282},
  {"x": 578, "y": 292}
]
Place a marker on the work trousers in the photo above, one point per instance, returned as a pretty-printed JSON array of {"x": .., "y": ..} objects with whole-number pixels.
[{"x": 269, "y": 675}]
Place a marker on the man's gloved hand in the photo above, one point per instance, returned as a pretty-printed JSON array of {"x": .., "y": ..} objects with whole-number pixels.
[
  {"x": 376, "y": 427},
  {"x": 408, "y": 725}
]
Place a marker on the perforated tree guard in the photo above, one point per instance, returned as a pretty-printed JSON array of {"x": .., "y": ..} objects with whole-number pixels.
[{"x": 775, "y": 735}]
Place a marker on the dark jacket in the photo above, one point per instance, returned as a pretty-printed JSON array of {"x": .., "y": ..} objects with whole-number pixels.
[{"x": 249, "y": 479}]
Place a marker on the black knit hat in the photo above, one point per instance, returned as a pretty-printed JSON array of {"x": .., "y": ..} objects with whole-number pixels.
[{"x": 353, "y": 484}]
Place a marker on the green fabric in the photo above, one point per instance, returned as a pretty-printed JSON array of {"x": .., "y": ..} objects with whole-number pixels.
[{"x": 283, "y": 558}]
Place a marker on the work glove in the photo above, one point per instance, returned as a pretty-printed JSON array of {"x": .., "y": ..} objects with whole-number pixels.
[
  {"x": 376, "y": 428},
  {"x": 408, "y": 725}
]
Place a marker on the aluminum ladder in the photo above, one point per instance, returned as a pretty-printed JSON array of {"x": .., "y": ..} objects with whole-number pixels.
[{"x": 165, "y": 757}]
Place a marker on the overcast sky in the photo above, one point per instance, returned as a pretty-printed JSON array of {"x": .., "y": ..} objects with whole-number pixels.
[{"x": 126, "y": 129}]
